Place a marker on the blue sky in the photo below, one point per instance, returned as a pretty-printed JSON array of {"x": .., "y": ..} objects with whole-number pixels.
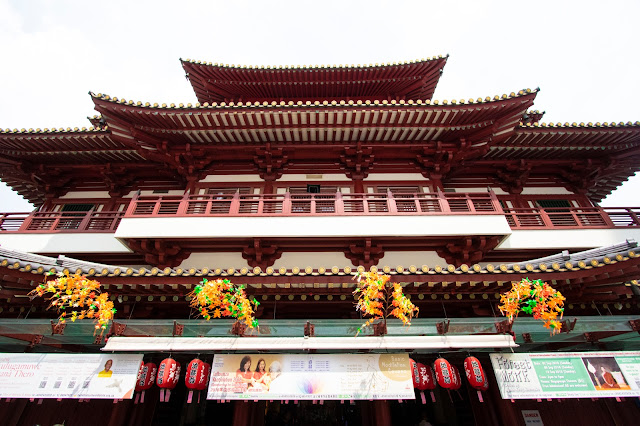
[{"x": 582, "y": 54}]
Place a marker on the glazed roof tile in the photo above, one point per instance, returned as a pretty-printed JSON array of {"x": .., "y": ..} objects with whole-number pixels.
[{"x": 37, "y": 264}]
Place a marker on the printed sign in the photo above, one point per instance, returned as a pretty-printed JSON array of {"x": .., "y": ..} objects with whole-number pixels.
[
  {"x": 532, "y": 418},
  {"x": 82, "y": 376},
  {"x": 567, "y": 375},
  {"x": 294, "y": 376}
]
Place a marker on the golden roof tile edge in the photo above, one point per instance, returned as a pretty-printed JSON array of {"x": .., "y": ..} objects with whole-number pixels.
[
  {"x": 289, "y": 104},
  {"x": 312, "y": 67},
  {"x": 506, "y": 269}
]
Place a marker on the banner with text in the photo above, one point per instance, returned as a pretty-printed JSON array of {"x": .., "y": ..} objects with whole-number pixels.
[
  {"x": 289, "y": 376},
  {"x": 81, "y": 376},
  {"x": 567, "y": 375}
]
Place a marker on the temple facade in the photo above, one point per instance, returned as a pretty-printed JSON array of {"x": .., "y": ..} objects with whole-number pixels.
[{"x": 289, "y": 180}]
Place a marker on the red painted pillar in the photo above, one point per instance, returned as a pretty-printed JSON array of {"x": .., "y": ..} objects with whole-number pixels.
[
  {"x": 358, "y": 186},
  {"x": 268, "y": 186},
  {"x": 382, "y": 413}
]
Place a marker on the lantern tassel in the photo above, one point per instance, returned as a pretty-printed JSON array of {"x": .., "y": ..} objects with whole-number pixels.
[
  {"x": 433, "y": 396},
  {"x": 199, "y": 397},
  {"x": 167, "y": 395},
  {"x": 161, "y": 395},
  {"x": 135, "y": 401},
  {"x": 424, "y": 400},
  {"x": 190, "y": 397},
  {"x": 480, "y": 396},
  {"x": 142, "y": 397}
]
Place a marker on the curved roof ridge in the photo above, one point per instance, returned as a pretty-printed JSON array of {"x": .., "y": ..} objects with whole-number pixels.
[
  {"x": 581, "y": 125},
  {"x": 54, "y": 130},
  {"x": 15, "y": 259},
  {"x": 303, "y": 67},
  {"x": 298, "y": 103}
]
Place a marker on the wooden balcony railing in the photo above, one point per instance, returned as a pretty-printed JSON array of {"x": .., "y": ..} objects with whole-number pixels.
[
  {"x": 314, "y": 204},
  {"x": 577, "y": 217},
  {"x": 61, "y": 221},
  {"x": 323, "y": 205}
]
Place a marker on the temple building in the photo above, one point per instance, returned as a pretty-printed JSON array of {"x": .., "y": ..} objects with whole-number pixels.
[{"x": 289, "y": 180}]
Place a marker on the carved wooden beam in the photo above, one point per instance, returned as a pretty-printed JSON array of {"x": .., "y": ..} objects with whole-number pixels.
[
  {"x": 261, "y": 254},
  {"x": 468, "y": 251},
  {"x": 356, "y": 161},
  {"x": 513, "y": 177},
  {"x": 364, "y": 253},
  {"x": 270, "y": 162},
  {"x": 159, "y": 253}
]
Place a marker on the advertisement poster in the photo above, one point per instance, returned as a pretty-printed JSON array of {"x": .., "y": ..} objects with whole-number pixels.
[
  {"x": 308, "y": 377},
  {"x": 90, "y": 376},
  {"x": 567, "y": 375}
]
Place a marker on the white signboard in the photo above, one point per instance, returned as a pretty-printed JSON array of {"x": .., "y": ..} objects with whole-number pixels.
[
  {"x": 567, "y": 375},
  {"x": 306, "y": 377},
  {"x": 82, "y": 376}
]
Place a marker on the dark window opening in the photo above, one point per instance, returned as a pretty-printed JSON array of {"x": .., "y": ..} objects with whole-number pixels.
[
  {"x": 313, "y": 189},
  {"x": 77, "y": 207},
  {"x": 550, "y": 204}
]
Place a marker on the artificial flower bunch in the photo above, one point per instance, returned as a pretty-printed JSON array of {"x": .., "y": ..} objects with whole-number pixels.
[
  {"x": 379, "y": 299},
  {"x": 221, "y": 298},
  {"x": 535, "y": 298},
  {"x": 77, "y": 297}
]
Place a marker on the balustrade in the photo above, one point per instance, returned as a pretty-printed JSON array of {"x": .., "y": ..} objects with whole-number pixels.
[
  {"x": 337, "y": 204},
  {"x": 314, "y": 204},
  {"x": 61, "y": 221}
]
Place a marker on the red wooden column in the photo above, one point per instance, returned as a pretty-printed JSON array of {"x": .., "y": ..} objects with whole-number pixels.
[
  {"x": 382, "y": 416},
  {"x": 268, "y": 186},
  {"x": 358, "y": 186}
]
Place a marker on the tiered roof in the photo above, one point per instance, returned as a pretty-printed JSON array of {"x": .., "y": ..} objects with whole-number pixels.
[
  {"x": 182, "y": 141},
  {"x": 223, "y": 83}
]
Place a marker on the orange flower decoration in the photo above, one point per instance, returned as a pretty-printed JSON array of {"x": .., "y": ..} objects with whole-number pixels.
[
  {"x": 77, "y": 297},
  {"x": 535, "y": 298},
  {"x": 379, "y": 299},
  {"x": 221, "y": 298}
]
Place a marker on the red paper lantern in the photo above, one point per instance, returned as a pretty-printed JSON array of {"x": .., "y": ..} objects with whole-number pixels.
[
  {"x": 146, "y": 378},
  {"x": 444, "y": 373},
  {"x": 415, "y": 374},
  {"x": 427, "y": 378},
  {"x": 196, "y": 377},
  {"x": 167, "y": 379},
  {"x": 475, "y": 374},
  {"x": 427, "y": 381},
  {"x": 456, "y": 380}
]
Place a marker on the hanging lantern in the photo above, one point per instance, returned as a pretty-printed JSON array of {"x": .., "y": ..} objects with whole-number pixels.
[
  {"x": 427, "y": 381},
  {"x": 456, "y": 380},
  {"x": 167, "y": 379},
  {"x": 196, "y": 377},
  {"x": 444, "y": 373},
  {"x": 146, "y": 378},
  {"x": 415, "y": 374},
  {"x": 475, "y": 373}
]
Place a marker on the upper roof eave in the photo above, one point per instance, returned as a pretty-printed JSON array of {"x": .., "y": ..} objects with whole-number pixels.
[
  {"x": 410, "y": 80},
  {"x": 99, "y": 98},
  {"x": 37, "y": 264},
  {"x": 313, "y": 67}
]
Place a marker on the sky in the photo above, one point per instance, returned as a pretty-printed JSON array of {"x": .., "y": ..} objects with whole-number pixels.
[{"x": 582, "y": 54}]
